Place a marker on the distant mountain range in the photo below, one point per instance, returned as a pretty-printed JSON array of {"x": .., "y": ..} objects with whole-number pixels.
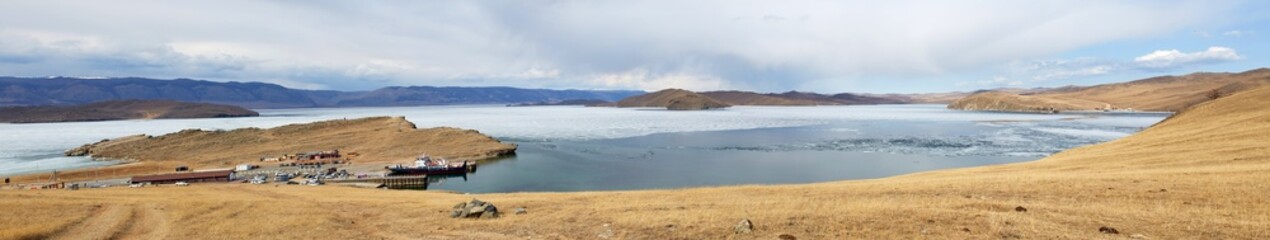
[
  {"x": 22, "y": 91},
  {"x": 120, "y": 109}
]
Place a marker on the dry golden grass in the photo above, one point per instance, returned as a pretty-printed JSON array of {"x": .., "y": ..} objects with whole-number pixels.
[
  {"x": 375, "y": 139},
  {"x": 1167, "y": 93},
  {"x": 1004, "y": 101},
  {"x": 666, "y": 97},
  {"x": 755, "y": 99},
  {"x": 1203, "y": 174}
]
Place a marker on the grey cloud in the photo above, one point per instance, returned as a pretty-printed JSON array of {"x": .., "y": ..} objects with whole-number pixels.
[{"x": 755, "y": 45}]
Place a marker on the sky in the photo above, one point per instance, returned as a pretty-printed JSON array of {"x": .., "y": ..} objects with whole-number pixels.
[{"x": 766, "y": 46}]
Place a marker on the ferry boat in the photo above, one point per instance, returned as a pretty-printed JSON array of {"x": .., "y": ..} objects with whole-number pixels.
[{"x": 425, "y": 165}]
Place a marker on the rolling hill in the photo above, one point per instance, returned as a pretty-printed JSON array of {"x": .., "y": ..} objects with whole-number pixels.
[
  {"x": 1199, "y": 174},
  {"x": 1166, "y": 93},
  {"x": 17, "y": 91},
  {"x": 673, "y": 99},
  {"x": 721, "y": 98},
  {"x": 121, "y": 109}
]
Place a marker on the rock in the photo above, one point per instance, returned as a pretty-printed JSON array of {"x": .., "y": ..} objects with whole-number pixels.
[
  {"x": 79, "y": 151},
  {"x": 474, "y": 209},
  {"x": 521, "y": 210},
  {"x": 1108, "y": 230},
  {"x": 1020, "y": 209},
  {"x": 787, "y": 237},
  {"x": 1138, "y": 236},
  {"x": 744, "y": 227},
  {"x": 608, "y": 232}
]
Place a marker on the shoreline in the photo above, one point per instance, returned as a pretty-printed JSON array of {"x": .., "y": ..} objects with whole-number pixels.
[{"x": 1161, "y": 183}]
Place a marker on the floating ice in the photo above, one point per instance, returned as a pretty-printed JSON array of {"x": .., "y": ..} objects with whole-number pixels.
[{"x": 37, "y": 147}]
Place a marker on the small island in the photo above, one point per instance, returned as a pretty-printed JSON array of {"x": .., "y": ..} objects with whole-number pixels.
[
  {"x": 376, "y": 139},
  {"x": 679, "y": 99},
  {"x": 121, "y": 110},
  {"x": 673, "y": 99}
]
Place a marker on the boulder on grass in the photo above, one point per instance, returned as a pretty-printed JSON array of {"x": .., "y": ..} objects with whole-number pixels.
[{"x": 474, "y": 209}]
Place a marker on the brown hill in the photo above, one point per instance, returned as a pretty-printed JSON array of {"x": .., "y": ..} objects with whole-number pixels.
[
  {"x": 118, "y": 110},
  {"x": 756, "y": 99},
  {"x": 695, "y": 102},
  {"x": 793, "y": 98},
  {"x": 375, "y": 139},
  {"x": 1199, "y": 174},
  {"x": 1004, "y": 101},
  {"x": 679, "y": 98},
  {"x": 1167, "y": 93},
  {"x": 946, "y": 97}
]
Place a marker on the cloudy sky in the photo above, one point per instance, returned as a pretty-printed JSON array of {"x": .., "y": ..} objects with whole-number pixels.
[{"x": 771, "y": 46}]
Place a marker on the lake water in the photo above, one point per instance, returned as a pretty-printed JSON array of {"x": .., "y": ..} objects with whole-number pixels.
[{"x": 569, "y": 148}]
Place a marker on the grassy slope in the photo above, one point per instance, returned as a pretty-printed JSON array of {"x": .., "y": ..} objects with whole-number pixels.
[
  {"x": 755, "y": 99},
  {"x": 1204, "y": 173},
  {"x": 1003, "y": 101},
  {"x": 375, "y": 139},
  {"x": 1167, "y": 93}
]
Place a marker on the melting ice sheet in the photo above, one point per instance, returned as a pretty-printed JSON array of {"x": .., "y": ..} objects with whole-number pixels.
[{"x": 910, "y": 130}]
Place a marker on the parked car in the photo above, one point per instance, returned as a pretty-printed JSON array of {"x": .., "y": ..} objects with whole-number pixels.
[
  {"x": 182, "y": 184},
  {"x": 136, "y": 185}
]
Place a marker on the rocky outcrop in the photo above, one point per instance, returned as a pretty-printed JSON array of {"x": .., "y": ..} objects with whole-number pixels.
[{"x": 474, "y": 209}]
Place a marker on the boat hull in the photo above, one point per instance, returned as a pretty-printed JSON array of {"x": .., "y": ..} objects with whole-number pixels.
[{"x": 422, "y": 171}]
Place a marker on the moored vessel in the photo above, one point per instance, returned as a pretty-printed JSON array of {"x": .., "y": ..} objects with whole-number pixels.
[{"x": 425, "y": 165}]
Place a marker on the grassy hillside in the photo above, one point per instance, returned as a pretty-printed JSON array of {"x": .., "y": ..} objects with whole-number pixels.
[
  {"x": 756, "y": 99},
  {"x": 1202, "y": 174},
  {"x": 375, "y": 140},
  {"x": 118, "y": 110},
  {"x": 1167, "y": 93},
  {"x": 674, "y": 99}
]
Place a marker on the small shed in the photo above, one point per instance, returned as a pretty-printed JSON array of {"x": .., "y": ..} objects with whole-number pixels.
[{"x": 189, "y": 177}]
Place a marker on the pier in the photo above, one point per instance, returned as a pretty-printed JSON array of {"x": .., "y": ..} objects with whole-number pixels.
[{"x": 393, "y": 182}]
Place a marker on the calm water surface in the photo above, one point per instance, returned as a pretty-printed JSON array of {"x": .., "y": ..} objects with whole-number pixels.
[{"x": 565, "y": 148}]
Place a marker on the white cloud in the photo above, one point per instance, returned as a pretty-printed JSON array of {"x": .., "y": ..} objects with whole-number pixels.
[
  {"x": 1057, "y": 69},
  {"x": 1159, "y": 60},
  {"x": 762, "y": 45},
  {"x": 645, "y": 80},
  {"x": 1236, "y": 33},
  {"x": 1165, "y": 59},
  {"x": 996, "y": 81}
]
